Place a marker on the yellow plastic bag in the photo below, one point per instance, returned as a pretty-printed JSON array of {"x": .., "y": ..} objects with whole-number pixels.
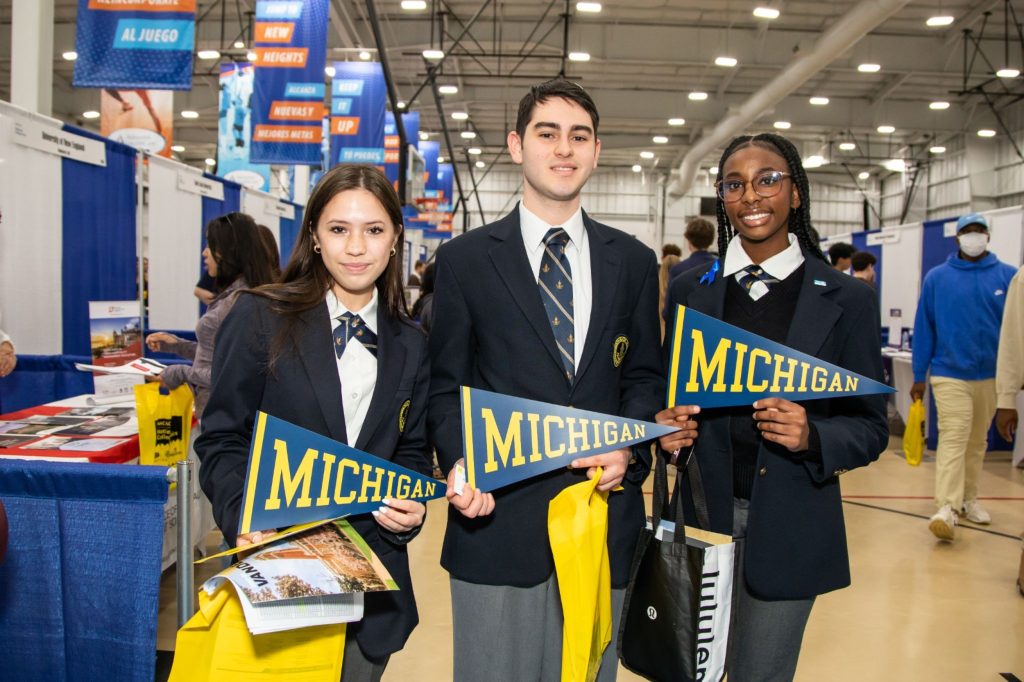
[
  {"x": 216, "y": 646},
  {"x": 913, "y": 436},
  {"x": 578, "y": 532},
  {"x": 165, "y": 423}
]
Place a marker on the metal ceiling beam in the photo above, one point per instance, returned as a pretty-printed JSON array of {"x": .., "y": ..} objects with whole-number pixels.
[{"x": 403, "y": 141}]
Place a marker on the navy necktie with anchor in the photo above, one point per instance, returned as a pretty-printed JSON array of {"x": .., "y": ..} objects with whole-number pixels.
[
  {"x": 755, "y": 273},
  {"x": 353, "y": 327},
  {"x": 555, "y": 282}
]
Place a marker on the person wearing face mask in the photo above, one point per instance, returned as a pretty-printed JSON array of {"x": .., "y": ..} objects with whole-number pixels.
[{"x": 956, "y": 337}]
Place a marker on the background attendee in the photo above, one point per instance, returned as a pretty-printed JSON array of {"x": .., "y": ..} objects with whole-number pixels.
[
  {"x": 415, "y": 278},
  {"x": 549, "y": 305},
  {"x": 423, "y": 308},
  {"x": 863, "y": 263},
  {"x": 1010, "y": 360},
  {"x": 771, "y": 471},
  {"x": 700, "y": 235},
  {"x": 237, "y": 258},
  {"x": 8, "y": 358},
  {"x": 330, "y": 348},
  {"x": 671, "y": 250},
  {"x": 206, "y": 287},
  {"x": 664, "y": 279},
  {"x": 840, "y": 254},
  {"x": 956, "y": 338}
]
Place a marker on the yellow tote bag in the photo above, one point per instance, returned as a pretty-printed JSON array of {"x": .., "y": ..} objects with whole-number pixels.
[
  {"x": 913, "y": 437},
  {"x": 165, "y": 423},
  {"x": 578, "y": 532},
  {"x": 216, "y": 646}
]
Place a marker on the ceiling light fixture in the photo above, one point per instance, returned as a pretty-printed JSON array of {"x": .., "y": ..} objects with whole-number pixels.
[
  {"x": 895, "y": 165},
  {"x": 591, "y": 7},
  {"x": 330, "y": 71},
  {"x": 659, "y": 139},
  {"x": 697, "y": 96},
  {"x": 467, "y": 135},
  {"x": 424, "y": 135},
  {"x": 459, "y": 116},
  {"x": 475, "y": 151},
  {"x": 251, "y": 56},
  {"x": 208, "y": 54},
  {"x": 448, "y": 89},
  {"x": 937, "y": 149},
  {"x": 713, "y": 170},
  {"x": 433, "y": 54},
  {"x": 986, "y": 132},
  {"x": 637, "y": 168},
  {"x": 886, "y": 129},
  {"x": 400, "y": 104},
  {"x": 188, "y": 113},
  {"x": 863, "y": 175},
  {"x": 728, "y": 62},
  {"x": 239, "y": 45},
  {"x": 90, "y": 114},
  {"x": 365, "y": 55},
  {"x": 480, "y": 164},
  {"x": 783, "y": 125},
  {"x": 938, "y": 106},
  {"x": 70, "y": 55},
  {"x": 766, "y": 13},
  {"x": 677, "y": 121},
  {"x": 847, "y": 146},
  {"x": 177, "y": 148},
  {"x": 646, "y": 155},
  {"x": 939, "y": 21},
  {"x": 211, "y": 162},
  {"x": 579, "y": 56},
  {"x": 414, "y": 5},
  {"x": 814, "y": 161},
  {"x": 869, "y": 68},
  {"x": 819, "y": 101},
  {"x": 440, "y": 159},
  {"x": 1008, "y": 72}
]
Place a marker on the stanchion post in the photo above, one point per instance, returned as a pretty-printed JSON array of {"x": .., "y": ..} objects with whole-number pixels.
[{"x": 186, "y": 579}]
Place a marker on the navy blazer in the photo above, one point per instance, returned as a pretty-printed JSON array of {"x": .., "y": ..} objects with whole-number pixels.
[
  {"x": 796, "y": 539},
  {"x": 490, "y": 331},
  {"x": 305, "y": 390}
]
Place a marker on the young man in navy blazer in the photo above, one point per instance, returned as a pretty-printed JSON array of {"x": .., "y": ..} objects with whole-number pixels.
[{"x": 549, "y": 305}]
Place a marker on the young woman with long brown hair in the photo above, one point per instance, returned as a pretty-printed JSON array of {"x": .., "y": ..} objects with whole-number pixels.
[{"x": 330, "y": 348}]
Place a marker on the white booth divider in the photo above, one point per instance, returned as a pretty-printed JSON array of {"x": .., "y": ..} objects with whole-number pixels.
[
  {"x": 265, "y": 209},
  {"x": 174, "y": 224},
  {"x": 30, "y": 238},
  {"x": 901, "y": 276}
]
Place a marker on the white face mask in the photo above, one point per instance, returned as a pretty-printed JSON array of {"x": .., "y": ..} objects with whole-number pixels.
[{"x": 973, "y": 244}]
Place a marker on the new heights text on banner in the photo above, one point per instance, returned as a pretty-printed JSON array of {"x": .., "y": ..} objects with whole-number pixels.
[
  {"x": 358, "y": 98},
  {"x": 296, "y": 475},
  {"x": 144, "y": 44},
  {"x": 290, "y": 44},
  {"x": 714, "y": 364},
  {"x": 507, "y": 439}
]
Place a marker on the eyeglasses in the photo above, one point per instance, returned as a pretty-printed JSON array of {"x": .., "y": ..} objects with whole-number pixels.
[{"x": 765, "y": 185}]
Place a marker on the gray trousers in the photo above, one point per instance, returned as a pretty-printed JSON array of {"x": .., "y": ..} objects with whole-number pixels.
[
  {"x": 514, "y": 634},
  {"x": 356, "y": 667},
  {"x": 765, "y": 636}
]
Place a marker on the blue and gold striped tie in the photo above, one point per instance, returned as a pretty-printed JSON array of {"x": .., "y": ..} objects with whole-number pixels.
[
  {"x": 755, "y": 273},
  {"x": 353, "y": 327},
  {"x": 555, "y": 283}
]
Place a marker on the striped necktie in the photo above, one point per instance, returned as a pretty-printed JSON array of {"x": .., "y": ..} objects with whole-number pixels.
[
  {"x": 555, "y": 282},
  {"x": 755, "y": 273},
  {"x": 353, "y": 327}
]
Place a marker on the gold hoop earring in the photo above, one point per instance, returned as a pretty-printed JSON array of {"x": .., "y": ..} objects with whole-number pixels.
[
  {"x": 393, "y": 251},
  {"x": 316, "y": 248}
]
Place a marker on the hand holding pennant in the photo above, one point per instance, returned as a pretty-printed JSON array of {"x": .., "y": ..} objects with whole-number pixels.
[
  {"x": 714, "y": 364},
  {"x": 296, "y": 475},
  {"x": 507, "y": 439}
]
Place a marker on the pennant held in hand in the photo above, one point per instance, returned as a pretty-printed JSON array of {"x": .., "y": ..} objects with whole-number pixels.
[
  {"x": 715, "y": 364},
  {"x": 296, "y": 475},
  {"x": 507, "y": 439}
]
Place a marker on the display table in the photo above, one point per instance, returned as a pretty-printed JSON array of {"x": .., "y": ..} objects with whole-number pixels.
[
  {"x": 903, "y": 380},
  {"x": 65, "y": 441}
]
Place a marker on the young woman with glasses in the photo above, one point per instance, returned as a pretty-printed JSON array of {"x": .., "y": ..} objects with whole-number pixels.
[{"x": 771, "y": 470}]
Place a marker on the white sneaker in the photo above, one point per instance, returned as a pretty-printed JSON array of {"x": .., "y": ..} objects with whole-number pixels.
[
  {"x": 975, "y": 513},
  {"x": 943, "y": 524}
]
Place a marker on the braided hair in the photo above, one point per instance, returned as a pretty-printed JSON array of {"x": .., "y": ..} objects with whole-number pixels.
[{"x": 799, "y": 218}]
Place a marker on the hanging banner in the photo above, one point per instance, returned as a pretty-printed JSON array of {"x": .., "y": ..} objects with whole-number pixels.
[
  {"x": 429, "y": 151},
  {"x": 290, "y": 43},
  {"x": 143, "y": 119},
  {"x": 714, "y": 364},
  {"x": 358, "y": 98},
  {"x": 445, "y": 187},
  {"x": 507, "y": 439},
  {"x": 235, "y": 129},
  {"x": 296, "y": 475},
  {"x": 135, "y": 44},
  {"x": 391, "y": 141}
]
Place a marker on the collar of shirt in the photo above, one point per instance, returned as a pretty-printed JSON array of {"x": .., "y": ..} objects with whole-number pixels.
[
  {"x": 534, "y": 228},
  {"x": 369, "y": 312},
  {"x": 780, "y": 266}
]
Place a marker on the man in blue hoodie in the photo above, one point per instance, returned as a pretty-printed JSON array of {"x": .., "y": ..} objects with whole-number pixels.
[{"x": 956, "y": 336}]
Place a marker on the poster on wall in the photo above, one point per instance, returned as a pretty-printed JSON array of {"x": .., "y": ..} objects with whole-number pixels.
[
  {"x": 290, "y": 44},
  {"x": 411, "y": 120},
  {"x": 142, "y": 119},
  {"x": 358, "y": 99},
  {"x": 115, "y": 339},
  {"x": 135, "y": 44},
  {"x": 234, "y": 130}
]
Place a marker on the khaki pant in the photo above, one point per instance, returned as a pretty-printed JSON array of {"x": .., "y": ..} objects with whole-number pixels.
[{"x": 965, "y": 410}]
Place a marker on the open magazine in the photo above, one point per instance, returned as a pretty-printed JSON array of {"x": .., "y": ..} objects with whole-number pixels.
[
  {"x": 315, "y": 578},
  {"x": 143, "y": 367}
]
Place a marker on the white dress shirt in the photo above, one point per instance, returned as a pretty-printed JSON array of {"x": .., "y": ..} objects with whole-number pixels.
[
  {"x": 357, "y": 367},
  {"x": 577, "y": 251},
  {"x": 780, "y": 266}
]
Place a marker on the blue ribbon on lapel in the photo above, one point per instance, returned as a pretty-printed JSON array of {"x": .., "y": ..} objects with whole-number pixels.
[{"x": 709, "y": 276}]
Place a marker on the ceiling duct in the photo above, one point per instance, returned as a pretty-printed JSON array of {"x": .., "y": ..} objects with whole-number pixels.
[{"x": 841, "y": 36}]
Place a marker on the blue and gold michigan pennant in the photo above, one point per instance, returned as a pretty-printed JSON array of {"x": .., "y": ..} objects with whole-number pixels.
[
  {"x": 715, "y": 364},
  {"x": 507, "y": 439},
  {"x": 296, "y": 475}
]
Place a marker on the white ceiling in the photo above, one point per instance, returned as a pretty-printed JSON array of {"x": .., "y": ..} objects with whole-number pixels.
[{"x": 646, "y": 56}]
